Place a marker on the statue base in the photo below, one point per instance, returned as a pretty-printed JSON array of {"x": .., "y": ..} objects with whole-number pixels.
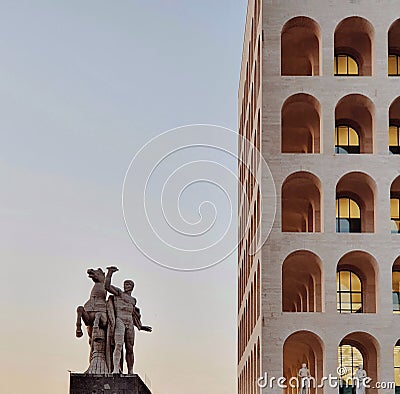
[{"x": 80, "y": 383}]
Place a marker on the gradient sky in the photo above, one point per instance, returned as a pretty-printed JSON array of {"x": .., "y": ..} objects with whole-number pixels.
[{"x": 83, "y": 85}]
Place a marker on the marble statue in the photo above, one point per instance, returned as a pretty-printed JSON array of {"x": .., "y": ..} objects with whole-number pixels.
[
  {"x": 304, "y": 375},
  {"x": 360, "y": 377},
  {"x": 94, "y": 312},
  {"x": 94, "y": 315},
  {"x": 110, "y": 323},
  {"x": 127, "y": 317}
]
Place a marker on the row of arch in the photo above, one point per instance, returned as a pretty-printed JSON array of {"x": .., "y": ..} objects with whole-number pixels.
[
  {"x": 250, "y": 126},
  {"x": 251, "y": 371},
  {"x": 356, "y": 283},
  {"x": 353, "y": 43},
  {"x": 354, "y": 126},
  {"x": 355, "y": 203},
  {"x": 356, "y": 348},
  {"x": 251, "y": 311}
]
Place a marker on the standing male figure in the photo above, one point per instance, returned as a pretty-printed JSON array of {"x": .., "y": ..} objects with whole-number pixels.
[
  {"x": 304, "y": 375},
  {"x": 127, "y": 316},
  {"x": 360, "y": 380}
]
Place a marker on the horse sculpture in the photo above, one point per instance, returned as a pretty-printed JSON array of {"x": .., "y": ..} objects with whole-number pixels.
[
  {"x": 94, "y": 315},
  {"x": 94, "y": 312},
  {"x": 100, "y": 316}
]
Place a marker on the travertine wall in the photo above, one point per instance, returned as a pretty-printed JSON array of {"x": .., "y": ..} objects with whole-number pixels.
[
  {"x": 249, "y": 266},
  {"x": 274, "y": 326}
]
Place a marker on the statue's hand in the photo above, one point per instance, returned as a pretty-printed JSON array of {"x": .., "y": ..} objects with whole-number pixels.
[
  {"x": 146, "y": 328},
  {"x": 112, "y": 269}
]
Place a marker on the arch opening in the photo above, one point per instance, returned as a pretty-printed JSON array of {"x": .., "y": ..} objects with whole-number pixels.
[
  {"x": 302, "y": 283},
  {"x": 300, "y": 47},
  {"x": 394, "y": 127},
  {"x": 395, "y": 206},
  {"x": 300, "y": 116},
  {"x": 303, "y": 347},
  {"x": 354, "y": 116},
  {"x": 354, "y": 39},
  {"x": 301, "y": 203},
  {"x": 358, "y": 348},
  {"x": 396, "y": 364},
  {"x": 356, "y": 283},
  {"x": 355, "y": 190},
  {"x": 394, "y": 49},
  {"x": 396, "y": 286}
]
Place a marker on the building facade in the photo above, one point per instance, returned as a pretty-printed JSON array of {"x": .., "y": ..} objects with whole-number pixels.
[{"x": 319, "y": 96}]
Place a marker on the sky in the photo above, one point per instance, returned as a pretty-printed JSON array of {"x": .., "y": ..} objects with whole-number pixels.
[{"x": 83, "y": 86}]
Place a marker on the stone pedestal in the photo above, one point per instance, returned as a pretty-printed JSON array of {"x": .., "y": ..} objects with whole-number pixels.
[{"x": 106, "y": 384}]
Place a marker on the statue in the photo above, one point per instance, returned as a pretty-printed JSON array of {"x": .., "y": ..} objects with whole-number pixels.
[
  {"x": 94, "y": 311},
  {"x": 360, "y": 378},
  {"x": 127, "y": 317},
  {"x": 304, "y": 375},
  {"x": 109, "y": 322}
]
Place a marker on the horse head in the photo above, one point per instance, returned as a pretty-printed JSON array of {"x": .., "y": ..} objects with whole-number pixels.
[{"x": 97, "y": 276}]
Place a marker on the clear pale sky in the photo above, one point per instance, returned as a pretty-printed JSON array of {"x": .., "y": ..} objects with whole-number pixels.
[{"x": 83, "y": 85}]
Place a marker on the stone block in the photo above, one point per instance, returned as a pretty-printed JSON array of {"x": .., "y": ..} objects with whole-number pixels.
[{"x": 107, "y": 384}]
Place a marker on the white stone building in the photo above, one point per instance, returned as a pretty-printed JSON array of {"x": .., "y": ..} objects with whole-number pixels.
[{"x": 319, "y": 96}]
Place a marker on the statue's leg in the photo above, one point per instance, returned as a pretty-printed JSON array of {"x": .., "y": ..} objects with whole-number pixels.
[
  {"x": 119, "y": 341},
  {"x": 100, "y": 321},
  {"x": 82, "y": 315},
  {"x": 129, "y": 342},
  {"x": 79, "y": 312},
  {"x": 87, "y": 317},
  {"x": 103, "y": 319},
  {"x": 96, "y": 322},
  {"x": 90, "y": 333}
]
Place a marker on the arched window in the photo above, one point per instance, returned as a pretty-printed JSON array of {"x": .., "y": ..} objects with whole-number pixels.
[
  {"x": 348, "y": 216},
  {"x": 346, "y": 140},
  {"x": 393, "y": 49},
  {"x": 356, "y": 112},
  {"x": 396, "y": 354},
  {"x": 353, "y": 43},
  {"x": 396, "y": 291},
  {"x": 395, "y": 215},
  {"x": 349, "y": 358},
  {"x": 349, "y": 292},
  {"x": 345, "y": 65},
  {"x": 394, "y": 140}
]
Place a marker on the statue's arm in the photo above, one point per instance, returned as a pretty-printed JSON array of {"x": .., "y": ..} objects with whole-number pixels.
[
  {"x": 137, "y": 320},
  {"x": 107, "y": 283}
]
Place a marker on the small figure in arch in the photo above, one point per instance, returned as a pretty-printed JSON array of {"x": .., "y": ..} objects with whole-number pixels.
[{"x": 304, "y": 375}]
